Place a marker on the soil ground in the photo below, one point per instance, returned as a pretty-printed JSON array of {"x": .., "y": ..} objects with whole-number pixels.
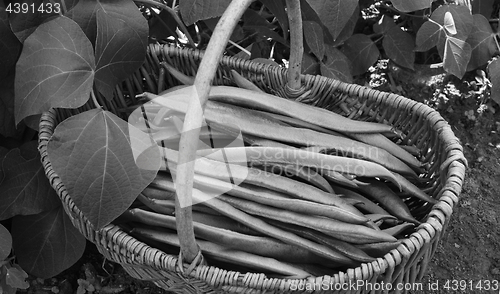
[{"x": 469, "y": 252}]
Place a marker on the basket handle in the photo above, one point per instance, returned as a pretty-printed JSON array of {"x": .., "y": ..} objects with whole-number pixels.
[
  {"x": 194, "y": 116},
  {"x": 193, "y": 123},
  {"x": 296, "y": 45}
]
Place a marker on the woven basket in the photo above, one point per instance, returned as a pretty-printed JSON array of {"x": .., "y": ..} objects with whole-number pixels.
[{"x": 422, "y": 127}]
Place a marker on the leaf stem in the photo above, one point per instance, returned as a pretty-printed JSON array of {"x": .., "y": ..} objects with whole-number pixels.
[
  {"x": 296, "y": 43},
  {"x": 94, "y": 99},
  {"x": 193, "y": 122},
  {"x": 174, "y": 15},
  {"x": 239, "y": 47}
]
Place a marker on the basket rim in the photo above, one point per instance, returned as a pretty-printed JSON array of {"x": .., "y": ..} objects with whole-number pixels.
[{"x": 434, "y": 224}]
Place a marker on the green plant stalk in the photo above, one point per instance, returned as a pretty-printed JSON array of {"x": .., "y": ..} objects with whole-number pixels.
[
  {"x": 297, "y": 43},
  {"x": 193, "y": 122}
]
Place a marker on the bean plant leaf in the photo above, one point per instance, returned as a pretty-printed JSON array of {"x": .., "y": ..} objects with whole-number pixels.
[
  {"x": 10, "y": 47},
  {"x": 456, "y": 55},
  {"x": 481, "y": 41},
  {"x": 266, "y": 61},
  {"x": 16, "y": 277},
  {"x": 277, "y": 8},
  {"x": 7, "y": 124},
  {"x": 459, "y": 16},
  {"x": 310, "y": 64},
  {"x": 398, "y": 46},
  {"x": 494, "y": 73},
  {"x": 383, "y": 25},
  {"x": 119, "y": 33},
  {"x": 334, "y": 14},
  {"x": 85, "y": 14},
  {"x": 56, "y": 69},
  {"x": 313, "y": 33},
  {"x": 25, "y": 188},
  {"x": 92, "y": 153},
  {"x": 236, "y": 35},
  {"x": 3, "y": 153},
  {"x": 361, "y": 51},
  {"x": 336, "y": 65},
  {"x": 255, "y": 22},
  {"x": 308, "y": 14},
  {"x": 195, "y": 10},
  {"x": 24, "y": 24},
  {"x": 413, "y": 5},
  {"x": 449, "y": 23},
  {"x": 429, "y": 35},
  {"x": 348, "y": 29},
  {"x": 33, "y": 121},
  {"x": 120, "y": 50},
  {"x": 162, "y": 26},
  {"x": 3, "y": 284},
  {"x": 46, "y": 243},
  {"x": 5, "y": 243},
  {"x": 484, "y": 7}
]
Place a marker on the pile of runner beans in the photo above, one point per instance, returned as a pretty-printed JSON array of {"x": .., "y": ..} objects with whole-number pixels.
[{"x": 308, "y": 192}]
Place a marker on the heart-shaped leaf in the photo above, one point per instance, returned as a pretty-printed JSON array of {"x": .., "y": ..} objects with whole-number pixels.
[
  {"x": 85, "y": 14},
  {"x": 494, "y": 73},
  {"x": 482, "y": 42},
  {"x": 334, "y": 14},
  {"x": 162, "y": 26},
  {"x": 25, "y": 188},
  {"x": 56, "y": 69},
  {"x": 266, "y": 61},
  {"x": 255, "y": 22},
  {"x": 277, "y": 8},
  {"x": 383, "y": 25},
  {"x": 3, "y": 153},
  {"x": 429, "y": 35},
  {"x": 361, "y": 51},
  {"x": 348, "y": 29},
  {"x": 16, "y": 277},
  {"x": 10, "y": 47},
  {"x": 456, "y": 55},
  {"x": 449, "y": 23},
  {"x": 195, "y": 10},
  {"x": 398, "y": 46},
  {"x": 24, "y": 24},
  {"x": 5, "y": 243},
  {"x": 308, "y": 14},
  {"x": 484, "y": 7},
  {"x": 336, "y": 65},
  {"x": 237, "y": 34},
  {"x": 33, "y": 121},
  {"x": 310, "y": 64},
  {"x": 119, "y": 33},
  {"x": 120, "y": 46},
  {"x": 46, "y": 243},
  {"x": 7, "y": 123},
  {"x": 92, "y": 154},
  {"x": 456, "y": 19},
  {"x": 3, "y": 284},
  {"x": 313, "y": 34},
  {"x": 412, "y": 5}
]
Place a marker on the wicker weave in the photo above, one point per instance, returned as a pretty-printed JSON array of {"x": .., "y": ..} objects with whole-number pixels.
[{"x": 422, "y": 126}]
